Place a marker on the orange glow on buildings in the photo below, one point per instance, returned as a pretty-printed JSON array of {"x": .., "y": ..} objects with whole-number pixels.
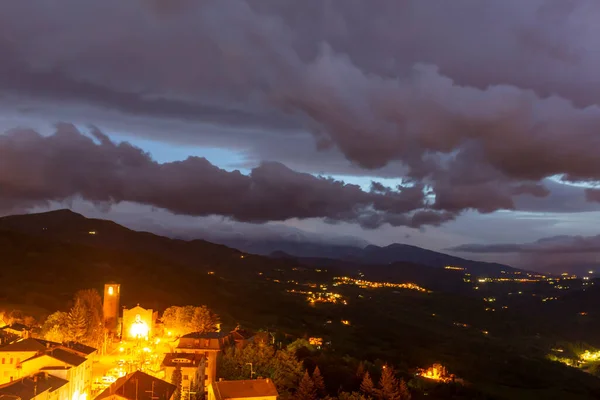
[
  {"x": 436, "y": 372},
  {"x": 364, "y": 284}
]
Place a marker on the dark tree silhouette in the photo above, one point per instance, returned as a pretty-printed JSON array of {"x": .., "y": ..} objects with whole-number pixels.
[
  {"x": 306, "y": 389},
  {"x": 319, "y": 382},
  {"x": 404, "y": 391},
  {"x": 388, "y": 385},
  {"x": 77, "y": 322},
  {"x": 367, "y": 387}
]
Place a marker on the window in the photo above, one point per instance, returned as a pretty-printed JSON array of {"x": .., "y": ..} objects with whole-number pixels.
[
  {"x": 186, "y": 377},
  {"x": 11, "y": 360},
  {"x": 3, "y": 360},
  {"x": 18, "y": 360}
]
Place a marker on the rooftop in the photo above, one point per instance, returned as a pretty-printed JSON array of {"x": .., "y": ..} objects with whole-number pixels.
[
  {"x": 244, "y": 389},
  {"x": 17, "y": 327},
  {"x": 31, "y": 386},
  {"x": 139, "y": 386},
  {"x": 182, "y": 359},
  {"x": 79, "y": 348},
  {"x": 241, "y": 334},
  {"x": 205, "y": 335},
  {"x": 29, "y": 345},
  {"x": 62, "y": 355}
]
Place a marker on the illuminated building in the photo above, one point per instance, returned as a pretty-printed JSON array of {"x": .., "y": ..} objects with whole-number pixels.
[
  {"x": 41, "y": 386},
  {"x": 112, "y": 296},
  {"x": 436, "y": 372},
  {"x": 65, "y": 363},
  {"x": 192, "y": 368},
  {"x": 316, "y": 341},
  {"x": 138, "y": 323},
  {"x": 209, "y": 344},
  {"x": 138, "y": 386}
]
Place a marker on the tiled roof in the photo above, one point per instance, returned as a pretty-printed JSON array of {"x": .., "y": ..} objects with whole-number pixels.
[
  {"x": 79, "y": 348},
  {"x": 31, "y": 386},
  {"x": 242, "y": 334},
  {"x": 17, "y": 327},
  {"x": 139, "y": 386},
  {"x": 28, "y": 345},
  {"x": 244, "y": 389},
  {"x": 187, "y": 359},
  {"x": 62, "y": 355}
]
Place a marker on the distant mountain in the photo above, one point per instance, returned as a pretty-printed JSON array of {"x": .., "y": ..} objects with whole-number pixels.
[
  {"x": 370, "y": 254},
  {"x": 70, "y": 227}
]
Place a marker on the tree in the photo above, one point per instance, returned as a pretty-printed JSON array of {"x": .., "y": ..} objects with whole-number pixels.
[
  {"x": 92, "y": 303},
  {"x": 76, "y": 322},
  {"x": 177, "y": 379},
  {"x": 55, "y": 328},
  {"x": 286, "y": 370},
  {"x": 187, "y": 319},
  {"x": 319, "y": 382},
  {"x": 404, "y": 391},
  {"x": 389, "y": 388},
  {"x": 203, "y": 320},
  {"x": 306, "y": 390},
  {"x": 366, "y": 386}
]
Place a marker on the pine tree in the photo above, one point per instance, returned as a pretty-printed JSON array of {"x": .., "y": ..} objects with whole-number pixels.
[
  {"x": 306, "y": 390},
  {"x": 366, "y": 386},
  {"x": 389, "y": 388},
  {"x": 319, "y": 382},
  {"x": 403, "y": 390},
  {"x": 176, "y": 379},
  {"x": 92, "y": 303},
  {"x": 77, "y": 322}
]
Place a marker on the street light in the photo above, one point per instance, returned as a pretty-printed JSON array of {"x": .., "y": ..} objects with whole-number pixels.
[{"x": 251, "y": 370}]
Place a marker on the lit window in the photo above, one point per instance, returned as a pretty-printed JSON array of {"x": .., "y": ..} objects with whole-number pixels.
[{"x": 110, "y": 291}]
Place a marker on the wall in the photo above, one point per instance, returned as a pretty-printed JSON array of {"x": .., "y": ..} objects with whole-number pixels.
[{"x": 8, "y": 364}]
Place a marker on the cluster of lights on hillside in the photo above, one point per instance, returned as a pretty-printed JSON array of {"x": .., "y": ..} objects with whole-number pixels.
[
  {"x": 436, "y": 372},
  {"x": 320, "y": 297},
  {"x": 364, "y": 284}
]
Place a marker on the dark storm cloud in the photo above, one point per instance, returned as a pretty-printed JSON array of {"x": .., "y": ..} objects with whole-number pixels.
[
  {"x": 37, "y": 169},
  {"x": 556, "y": 244},
  {"x": 478, "y": 101}
]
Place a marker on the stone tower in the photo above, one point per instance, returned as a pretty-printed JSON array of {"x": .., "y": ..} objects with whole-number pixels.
[{"x": 112, "y": 295}]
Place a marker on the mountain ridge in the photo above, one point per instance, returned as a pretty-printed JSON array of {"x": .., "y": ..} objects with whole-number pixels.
[{"x": 70, "y": 226}]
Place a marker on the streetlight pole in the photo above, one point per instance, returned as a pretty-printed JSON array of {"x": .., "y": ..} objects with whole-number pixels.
[{"x": 251, "y": 370}]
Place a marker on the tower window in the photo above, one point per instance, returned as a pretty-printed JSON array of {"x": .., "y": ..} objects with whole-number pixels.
[{"x": 110, "y": 291}]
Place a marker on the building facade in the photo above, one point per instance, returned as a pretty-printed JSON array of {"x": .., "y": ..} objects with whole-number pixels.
[
  {"x": 209, "y": 344},
  {"x": 138, "y": 323},
  {"x": 193, "y": 372}
]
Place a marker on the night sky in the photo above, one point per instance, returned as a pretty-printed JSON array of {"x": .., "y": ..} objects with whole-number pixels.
[{"x": 468, "y": 126}]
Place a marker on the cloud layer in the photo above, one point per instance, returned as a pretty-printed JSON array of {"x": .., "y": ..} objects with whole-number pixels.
[
  {"x": 474, "y": 103},
  {"x": 37, "y": 169}
]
